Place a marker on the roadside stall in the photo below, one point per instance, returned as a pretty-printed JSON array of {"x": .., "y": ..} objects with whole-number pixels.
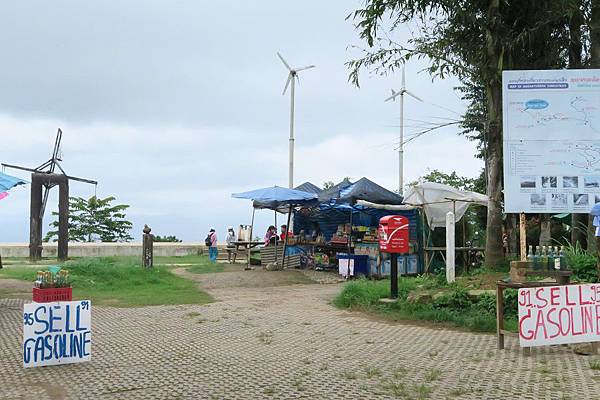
[
  {"x": 281, "y": 200},
  {"x": 341, "y": 232}
]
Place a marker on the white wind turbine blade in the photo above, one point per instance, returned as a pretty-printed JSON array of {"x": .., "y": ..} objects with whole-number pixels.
[
  {"x": 413, "y": 95},
  {"x": 287, "y": 83},
  {"x": 284, "y": 62},
  {"x": 394, "y": 95},
  {"x": 305, "y": 68}
]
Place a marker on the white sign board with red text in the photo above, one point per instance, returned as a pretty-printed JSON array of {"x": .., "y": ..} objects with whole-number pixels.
[{"x": 559, "y": 314}]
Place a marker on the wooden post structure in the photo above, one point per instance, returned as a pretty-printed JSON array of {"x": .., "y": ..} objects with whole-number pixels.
[
  {"x": 523, "y": 236},
  {"x": 63, "y": 218},
  {"x": 147, "y": 248},
  {"x": 35, "y": 223}
]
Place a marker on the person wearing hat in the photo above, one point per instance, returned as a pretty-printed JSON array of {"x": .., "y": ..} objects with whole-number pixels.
[
  {"x": 211, "y": 242},
  {"x": 230, "y": 246}
]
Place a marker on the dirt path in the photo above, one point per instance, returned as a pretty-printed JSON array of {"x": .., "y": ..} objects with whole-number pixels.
[{"x": 284, "y": 342}]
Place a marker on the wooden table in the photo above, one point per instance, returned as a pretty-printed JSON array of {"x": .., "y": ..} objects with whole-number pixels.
[
  {"x": 562, "y": 278},
  {"x": 246, "y": 245}
]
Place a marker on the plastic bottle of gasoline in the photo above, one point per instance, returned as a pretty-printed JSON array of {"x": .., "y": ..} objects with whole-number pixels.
[
  {"x": 563, "y": 259},
  {"x": 544, "y": 258},
  {"x": 536, "y": 257},
  {"x": 550, "y": 258},
  {"x": 556, "y": 259},
  {"x": 530, "y": 256}
]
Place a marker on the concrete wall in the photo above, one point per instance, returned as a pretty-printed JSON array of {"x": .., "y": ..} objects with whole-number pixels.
[{"x": 106, "y": 249}]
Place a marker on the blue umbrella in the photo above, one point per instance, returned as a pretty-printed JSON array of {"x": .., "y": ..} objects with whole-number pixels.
[
  {"x": 7, "y": 182},
  {"x": 275, "y": 197},
  {"x": 595, "y": 210}
]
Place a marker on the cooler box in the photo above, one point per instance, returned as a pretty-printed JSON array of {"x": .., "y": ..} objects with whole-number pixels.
[
  {"x": 359, "y": 264},
  {"x": 406, "y": 265}
]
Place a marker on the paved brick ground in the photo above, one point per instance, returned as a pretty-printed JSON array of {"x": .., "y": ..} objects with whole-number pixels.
[{"x": 285, "y": 342}]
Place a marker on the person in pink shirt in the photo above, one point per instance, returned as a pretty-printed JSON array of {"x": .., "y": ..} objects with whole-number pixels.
[
  {"x": 271, "y": 235},
  {"x": 211, "y": 242}
]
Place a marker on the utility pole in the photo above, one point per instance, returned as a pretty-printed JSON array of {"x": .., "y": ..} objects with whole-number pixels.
[{"x": 401, "y": 144}]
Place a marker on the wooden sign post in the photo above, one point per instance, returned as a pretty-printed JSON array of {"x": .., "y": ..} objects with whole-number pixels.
[{"x": 523, "y": 236}]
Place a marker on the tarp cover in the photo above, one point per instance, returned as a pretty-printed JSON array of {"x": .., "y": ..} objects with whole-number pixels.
[
  {"x": 7, "y": 182},
  {"x": 436, "y": 200},
  {"x": 347, "y": 192},
  {"x": 275, "y": 197},
  {"x": 328, "y": 195},
  {"x": 309, "y": 187}
]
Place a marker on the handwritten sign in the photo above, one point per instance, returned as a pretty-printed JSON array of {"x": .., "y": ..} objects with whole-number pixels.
[
  {"x": 559, "y": 314},
  {"x": 57, "y": 333}
]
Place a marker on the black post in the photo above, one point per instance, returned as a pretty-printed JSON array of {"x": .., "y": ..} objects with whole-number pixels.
[{"x": 394, "y": 275}]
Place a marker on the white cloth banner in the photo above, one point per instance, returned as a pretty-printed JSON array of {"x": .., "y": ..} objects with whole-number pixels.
[{"x": 438, "y": 199}]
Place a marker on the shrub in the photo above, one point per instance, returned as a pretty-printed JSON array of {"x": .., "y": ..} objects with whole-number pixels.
[
  {"x": 458, "y": 299},
  {"x": 487, "y": 303},
  {"x": 582, "y": 263},
  {"x": 510, "y": 303}
]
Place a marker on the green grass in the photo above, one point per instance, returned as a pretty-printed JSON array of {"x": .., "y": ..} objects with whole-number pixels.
[
  {"x": 454, "y": 308},
  {"x": 121, "y": 282}
]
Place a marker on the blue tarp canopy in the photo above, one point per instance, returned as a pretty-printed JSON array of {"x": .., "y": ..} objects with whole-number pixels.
[
  {"x": 347, "y": 192},
  {"x": 275, "y": 197},
  {"x": 7, "y": 182}
]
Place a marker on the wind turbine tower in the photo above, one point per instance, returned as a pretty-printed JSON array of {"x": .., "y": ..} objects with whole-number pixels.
[
  {"x": 401, "y": 93},
  {"x": 292, "y": 77}
]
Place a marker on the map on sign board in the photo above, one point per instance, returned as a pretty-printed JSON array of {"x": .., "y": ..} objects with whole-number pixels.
[
  {"x": 57, "y": 333},
  {"x": 551, "y": 129}
]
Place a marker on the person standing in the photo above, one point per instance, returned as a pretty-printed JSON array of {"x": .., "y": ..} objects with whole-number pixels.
[
  {"x": 230, "y": 246},
  {"x": 211, "y": 242}
]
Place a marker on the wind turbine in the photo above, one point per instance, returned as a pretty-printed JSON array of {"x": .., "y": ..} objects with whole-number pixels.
[
  {"x": 292, "y": 77},
  {"x": 401, "y": 93}
]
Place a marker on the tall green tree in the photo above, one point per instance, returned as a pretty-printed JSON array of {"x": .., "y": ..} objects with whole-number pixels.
[
  {"x": 93, "y": 220},
  {"x": 474, "y": 40}
]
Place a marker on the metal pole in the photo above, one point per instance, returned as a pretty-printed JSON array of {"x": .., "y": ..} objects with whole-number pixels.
[
  {"x": 250, "y": 240},
  {"x": 287, "y": 234},
  {"x": 291, "y": 155},
  {"x": 349, "y": 243},
  {"x": 394, "y": 275},
  {"x": 401, "y": 146},
  {"x": 275, "y": 237}
]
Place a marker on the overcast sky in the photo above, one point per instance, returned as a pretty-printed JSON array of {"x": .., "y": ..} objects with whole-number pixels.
[{"x": 174, "y": 105}]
